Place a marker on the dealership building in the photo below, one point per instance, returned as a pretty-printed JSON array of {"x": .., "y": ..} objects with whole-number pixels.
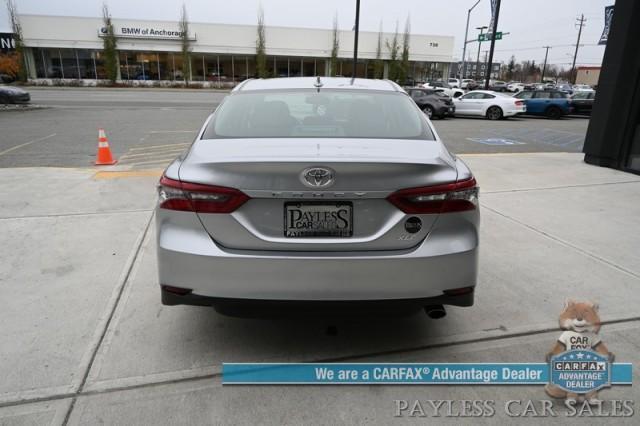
[{"x": 63, "y": 47}]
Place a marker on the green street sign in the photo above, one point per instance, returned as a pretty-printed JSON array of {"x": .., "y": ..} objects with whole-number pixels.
[{"x": 487, "y": 36}]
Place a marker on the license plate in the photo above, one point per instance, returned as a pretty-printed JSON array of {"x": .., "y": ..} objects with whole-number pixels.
[{"x": 318, "y": 219}]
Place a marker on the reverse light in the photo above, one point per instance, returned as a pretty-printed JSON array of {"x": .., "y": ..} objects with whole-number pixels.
[
  {"x": 446, "y": 198},
  {"x": 198, "y": 198}
]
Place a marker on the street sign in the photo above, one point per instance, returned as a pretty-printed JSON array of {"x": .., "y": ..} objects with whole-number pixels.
[{"x": 487, "y": 36}]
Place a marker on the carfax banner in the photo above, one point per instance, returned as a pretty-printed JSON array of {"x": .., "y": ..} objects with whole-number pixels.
[{"x": 576, "y": 375}]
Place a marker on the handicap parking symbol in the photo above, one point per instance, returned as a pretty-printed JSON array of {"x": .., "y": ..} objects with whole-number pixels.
[{"x": 496, "y": 141}]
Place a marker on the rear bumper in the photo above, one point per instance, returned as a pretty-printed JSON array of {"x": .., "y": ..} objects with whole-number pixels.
[
  {"x": 188, "y": 258},
  {"x": 448, "y": 110},
  {"x": 262, "y": 307}
]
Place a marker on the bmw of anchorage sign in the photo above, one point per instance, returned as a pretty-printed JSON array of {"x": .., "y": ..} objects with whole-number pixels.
[
  {"x": 135, "y": 31},
  {"x": 7, "y": 42}
]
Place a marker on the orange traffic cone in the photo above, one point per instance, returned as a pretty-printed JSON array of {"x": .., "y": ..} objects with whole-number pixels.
[{"x": 104, "y": 157}]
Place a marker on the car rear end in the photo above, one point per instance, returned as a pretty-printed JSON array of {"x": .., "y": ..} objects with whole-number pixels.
[
  {"x": 511, "y": 106},
  {"x": 254, "y": 214},
  {"x": 445, "y": 106}
]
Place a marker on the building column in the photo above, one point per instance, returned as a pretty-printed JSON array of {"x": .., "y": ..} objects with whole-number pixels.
[
  {"x": 30, "y": 63},
  {"x": 445, "y": 71},
  {"x": 118, "y": 76},
  {"x": 385, "y": 70}
]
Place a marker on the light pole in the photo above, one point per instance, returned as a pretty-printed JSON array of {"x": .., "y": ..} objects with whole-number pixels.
[
  {"x": 464, "y": 46},
  {"x": 494, "y": 31},
  {"x": 355, "y": 39},
  {"x": 479, "y": 44}
]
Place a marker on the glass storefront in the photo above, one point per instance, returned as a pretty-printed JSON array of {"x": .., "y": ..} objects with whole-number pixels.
[{"x": 219, "y": 70}]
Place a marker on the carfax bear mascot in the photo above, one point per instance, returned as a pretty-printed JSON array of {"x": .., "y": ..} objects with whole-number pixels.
[{"x": 581, "y": 323}]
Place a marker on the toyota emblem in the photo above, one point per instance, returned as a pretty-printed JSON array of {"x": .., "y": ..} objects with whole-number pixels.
[{"x": 318, "y": 177}]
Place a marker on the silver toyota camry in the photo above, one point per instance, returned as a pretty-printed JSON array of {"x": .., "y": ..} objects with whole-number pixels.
[{"x": 329, "y": 193}]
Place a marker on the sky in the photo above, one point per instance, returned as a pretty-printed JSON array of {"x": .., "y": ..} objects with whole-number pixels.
[{"x": 530, "y": 24}]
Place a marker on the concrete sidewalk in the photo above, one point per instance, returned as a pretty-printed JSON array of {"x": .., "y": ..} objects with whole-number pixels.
[{"x": 85, "y": 338}]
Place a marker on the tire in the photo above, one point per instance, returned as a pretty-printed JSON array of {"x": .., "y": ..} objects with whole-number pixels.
[
  {"x": 4, "y": 100},
  {"x": 553, "y": 113},
  {"x": 494, "y": 113},
  {"x": 428, "y": 110}
]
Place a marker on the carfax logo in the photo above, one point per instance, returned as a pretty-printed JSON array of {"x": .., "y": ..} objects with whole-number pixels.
[
  {"x": 580, "y": 372},
  {"x": 579, "y": 362}
]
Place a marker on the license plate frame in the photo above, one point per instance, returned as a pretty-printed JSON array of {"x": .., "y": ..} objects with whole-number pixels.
[{"x": 320, "y": 207}]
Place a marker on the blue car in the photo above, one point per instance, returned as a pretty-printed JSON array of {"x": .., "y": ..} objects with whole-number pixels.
[{"x": 549, "y": 103}]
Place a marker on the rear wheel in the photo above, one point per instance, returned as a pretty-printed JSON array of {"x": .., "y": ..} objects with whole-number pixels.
[
  {"x": 4, "y": 99},
  {"x": 428, "y": 110},
  {"x": 553, "y": 113},
  {"x": 494, "y": 113}
]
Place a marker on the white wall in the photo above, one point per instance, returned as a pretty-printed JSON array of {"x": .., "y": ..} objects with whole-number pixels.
[{"x": 82, "y": 33}]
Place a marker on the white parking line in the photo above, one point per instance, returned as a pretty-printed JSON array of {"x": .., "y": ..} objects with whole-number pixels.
[{"x": 6, "y": 151}]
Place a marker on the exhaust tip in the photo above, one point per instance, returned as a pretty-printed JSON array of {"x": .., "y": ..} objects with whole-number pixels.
[{"x": 435, "y": 311}]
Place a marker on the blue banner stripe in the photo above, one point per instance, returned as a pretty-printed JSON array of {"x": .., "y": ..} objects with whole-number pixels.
[{"x": 400, "y": 373}]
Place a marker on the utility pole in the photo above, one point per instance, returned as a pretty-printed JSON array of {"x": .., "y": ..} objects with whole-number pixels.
[
  {"x": 464, "y": 46},
  {"x": 581, "y": 22},
  {"x": 494, "y": 30},
  {"x": 479, "y": 44},
  {"x": 484, "y": 62},
  {"x": 544, "y": 67},
  {"x": 355, "y": 40}
]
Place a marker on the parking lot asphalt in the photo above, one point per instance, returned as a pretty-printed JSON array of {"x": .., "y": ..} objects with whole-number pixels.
[
  {"x": 85, "y": 340},
  {"x": 143, "y": 124}
]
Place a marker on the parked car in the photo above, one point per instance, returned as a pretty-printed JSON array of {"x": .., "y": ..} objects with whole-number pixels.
[
  {"x": 582, "y": 102},
  {"x": 13, "y": 95},
  {"x": 443, "y": 87},
  {"x": 489, "y": 104},
  {"x": 498, "y": 86},
  {"x": 296, "y": 187},
  {"x": 582, "y": 88},
  {"x": 564, "y": 87},
  {"x": 433, "y": 103},
  {"x": 550, "y": 103},
  {"x": 454, "y": 82},
  {"x": 468, "y": 84},
  {"x": 6, "y": 78},
  {"x": 451, "y": 93},
  {"x": 515, "y": 87}
]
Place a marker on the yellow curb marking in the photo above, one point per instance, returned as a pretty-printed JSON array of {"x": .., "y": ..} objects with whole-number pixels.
[{"x": 127, "y": 174}]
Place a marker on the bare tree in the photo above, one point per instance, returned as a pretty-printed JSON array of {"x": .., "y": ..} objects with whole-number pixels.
[
  {"x": 404, "y": 62},
  {"x": 261, "y": 55},
  {"x": 185, "y": 45},
  {"x": 109, "y": 45},
  {"x": 378, "y": 64},
  {"x": 394, "y": 54},
  {"x": 335, "y": 47},
  {"x": 12, "y": 11}
]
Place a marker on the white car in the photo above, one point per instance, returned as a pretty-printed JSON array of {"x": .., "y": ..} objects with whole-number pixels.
[
  {"x": 465, "y": 83},
  {"x": 452, "y": 93},
  {"x": 489, "y": 104},
  {"x": 454, "y": 82},
  {"x": 582, "y": 88},
  {"x": 439, "y": 86},
  {"x": 515, "y": 87}
]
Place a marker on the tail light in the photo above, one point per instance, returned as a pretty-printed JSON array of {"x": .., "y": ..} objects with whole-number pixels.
[
  {"x": 447, "y": 198},
  {"x": 198, "y": 198},
  {"x": 519, "y": 103}
]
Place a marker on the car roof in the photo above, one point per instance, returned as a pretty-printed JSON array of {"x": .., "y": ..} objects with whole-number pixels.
[
  {"x": 491, "y": 92},
  {"x": 312, "y": 83}
]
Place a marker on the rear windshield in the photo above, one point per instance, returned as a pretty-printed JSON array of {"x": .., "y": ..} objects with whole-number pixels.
[{"x": 324, "y": 114}]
